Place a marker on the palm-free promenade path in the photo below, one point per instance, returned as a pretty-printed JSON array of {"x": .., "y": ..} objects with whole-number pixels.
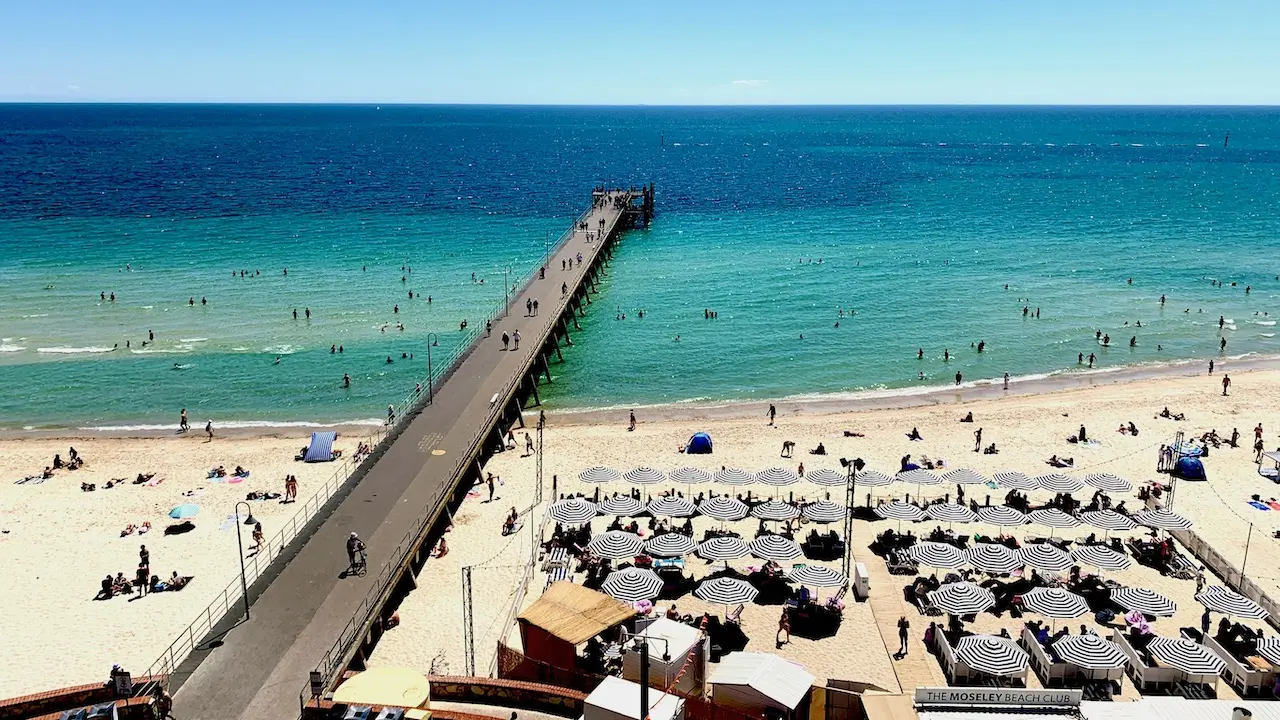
[{"x": 259, "y": 667}]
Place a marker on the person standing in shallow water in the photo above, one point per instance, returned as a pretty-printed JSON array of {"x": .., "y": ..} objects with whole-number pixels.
[{"x": 958, "y": 378}]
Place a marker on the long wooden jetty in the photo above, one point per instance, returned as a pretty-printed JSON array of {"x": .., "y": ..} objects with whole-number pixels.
[{"x": 308, "y": 617}]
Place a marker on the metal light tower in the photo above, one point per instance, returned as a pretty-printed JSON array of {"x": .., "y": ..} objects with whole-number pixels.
[
  {"x": 850, "y": 490},
  {"x": 432, "y": 340}
]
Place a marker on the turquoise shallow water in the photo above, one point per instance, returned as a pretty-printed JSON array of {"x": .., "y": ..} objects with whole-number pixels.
[{"x": 920, "y": 216}]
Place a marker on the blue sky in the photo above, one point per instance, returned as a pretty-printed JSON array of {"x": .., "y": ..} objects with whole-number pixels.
[{"x": 653, "y": 52}]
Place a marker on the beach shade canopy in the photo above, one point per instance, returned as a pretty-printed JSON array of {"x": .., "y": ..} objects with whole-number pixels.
[
  {"x": 1052, "y": 517},
  {"x": 963, "y": 476},
  {"x": 1189, "y": 657},
  {"x": 616, "y": 545},
  {"x": 669, "y": 545},
  {"x": 1090, "y": 652},
  {"x": 1106, "y": 482},
  {"x": 572, "y": 511},
  {"x": 321, "y": 447},
  {"x": 824, "y": 511},
  {"x": 1014, "y": 480},
  {"x": 993, "y": 558},
  {"x": 1188, "y": 468},
  {"x": 1269, "y": 648},
  {"x": 1101, "y": 557},
  {"x": 699, "y": 444},
  {"x": 1054, "y": 602},
  {"x": 632, "y": 585},
  {"x": 1001, "y": 515},
  {"x": 395, "y": 686},
  {"x": 1229, "y": 602},
  {"x": 775, "y": 548},
  {"x": 1144, "y": 600},
  {"x": 899, "y": 511},
  {"x": 598, "y": 474},
  {"x": 962, "y": 598},
  {"x": 992, "y": 654},
  {"x": 818, "y": 576},
  {"x": 624, "y": 505},
  {"x": 775, "y": 510},
  {"x": 734, "y": 476},
  {"x": 690, "y": 476},
  {"x": 726, "y": 591},
  {"x": 1108, "y": 520},
  {"x": 948, "y": 512},
  {"x": 871, "y": 478},
  {"x": 827, "y": 477},
  {"x": 1059, "y": 483},
  {"x": 644, "y": 476},
  {"x": 672, "y": 506},
  {"x": 725, "y": 547},
  {"x": 724, "y": 508},
  {"x": 184, "y": 511},
  {"x": 1046, "y": 557},
  {"x": 1162, "y": 519},
  {"x": 918, "y": 476},
  {"x": 777, "y": 477},
  {"x": 937, "y": 555}
]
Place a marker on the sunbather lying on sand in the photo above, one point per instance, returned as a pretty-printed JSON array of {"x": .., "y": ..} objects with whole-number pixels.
[{"x": 1058, "y": 462}]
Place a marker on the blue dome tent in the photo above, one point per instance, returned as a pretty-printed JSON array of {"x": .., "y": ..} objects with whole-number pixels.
[
  {"x": 699, "y": 444},
  {"x": 1188, "y": 468}
]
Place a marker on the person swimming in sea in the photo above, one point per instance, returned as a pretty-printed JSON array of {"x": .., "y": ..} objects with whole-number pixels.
[
  {"x": 346, "y": 380},
  {"x": 277, "y": 362}
]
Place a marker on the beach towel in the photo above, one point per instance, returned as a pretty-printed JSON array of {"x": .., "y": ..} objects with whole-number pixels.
[
  {"x": 30, "y": 480},
  {"x": 229, "y": 523},
  {"x": 234, "y": 479},
  {"x": 1258, "y": 505},
  {"x": 154, "y": 481},
  {"x": 1273, "y": 504}
]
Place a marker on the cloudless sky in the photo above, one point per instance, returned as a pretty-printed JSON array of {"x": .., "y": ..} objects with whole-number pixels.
[{"x": 643, "y": 51}]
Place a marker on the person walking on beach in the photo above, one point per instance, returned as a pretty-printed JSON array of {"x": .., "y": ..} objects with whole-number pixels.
[
  {"x": 1006, "y": 381},
  {"x": 183, "y": 424},
  {"x": 632, "y": 426},
  {"x": 258, "y": 536},
  {"x": 784, "y": 628},
  {"x": 290, "y": 488},
  {"x": 1226, "y": 383},
  {"x": 488, "y": 328},
  {"x": 977, "y": 440},
  {"x": 1210, "y": 366},
  {"x": 506, "y": 340},
  {"x": 144, "y": 556},
  {"x": 773, "y": 412},
  {"x": 208, "y": 430},
  {"x": 489, "y": 481},
  {"x": 904, "y": 628}
]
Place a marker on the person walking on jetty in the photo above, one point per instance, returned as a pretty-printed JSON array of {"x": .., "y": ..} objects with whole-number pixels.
[
  {"x": 515, "y": 340},
  {"x": 506, "y": 340}
]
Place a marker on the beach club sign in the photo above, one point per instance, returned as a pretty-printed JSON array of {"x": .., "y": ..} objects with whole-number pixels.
[{"x": 986, "y": 697}]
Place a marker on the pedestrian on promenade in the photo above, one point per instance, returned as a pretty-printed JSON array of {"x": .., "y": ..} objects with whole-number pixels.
[
  {"x": 506, "y": 340},
  {"x": 515, "y": 340}
]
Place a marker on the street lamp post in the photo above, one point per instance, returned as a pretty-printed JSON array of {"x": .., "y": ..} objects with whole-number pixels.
[
  {"x": 506, "y": 294},
  {"x": 431, "y": 383},
  {"x": 244, "y": 583}
]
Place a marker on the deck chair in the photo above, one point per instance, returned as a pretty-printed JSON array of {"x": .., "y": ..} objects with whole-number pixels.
[
  {"x": 556, "y": 575},
  {"x": 735, "y": 616}
]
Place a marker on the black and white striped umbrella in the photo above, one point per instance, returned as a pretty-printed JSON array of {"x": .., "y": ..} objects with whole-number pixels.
[
  {"x": 725, "y": 547},
  {"x": 992, "y": 655},
  {"x": 1090, "y": 652},
  {"x": 993, "y": 558},
  {"x": 775, "y": 548},
  {"x": 963, "y": 476},
  {"x": 1055, "y": 602},
  {"x": 1108, "y": 520},
  {"x": 1059, "y": 483},
  {"x": 818, "y": 576},
  {"x": 1189, "y": 657},
  {"x": 690, "y": 476},
  {"x": 616, "y": 545},
  {"x": 827, "y": 477},
  {"x": 899, "y": 511},
  {"x": 724, "y": 508},
  {"x": 950, "y": 513},
  {"x": 962, "y": 598},
  {"x": 1229, "y": 602},
  {"x": 632, "y": 585},
  {"x": 598, "y": 474},
  {"x": 871, "y": 478},
  {"x": 624, "y": 505},
  {"x": 1162, "y": 519},
  {"x": 726, "y": 591},
  {"x": 775, "y": 510},
  {"x": 1106, "y": 482},
  {"x": 572, "y": 511},
  {"x": 824, "y": 511},
  {"x": 1144, "y": 600},
  {"x": 671, "y": 506},
  {"x": 1046, "y": 557},
  {"x": 918, "y": 476},
  {"x": 1052, "y": 517},
  {"x": 669, "y": 545},
  {"x": 1014, "y": 480},
  {"x": 937, "y": 555},
  {"x": 644, "y": 476},
  {"x": 1101, "y": 557},
  {"x": 1001, "y": 515},
  {"x": 734, "y": 476},
  {"x": 1269, "y": 648},
  {"x": 777, "y": 477}
]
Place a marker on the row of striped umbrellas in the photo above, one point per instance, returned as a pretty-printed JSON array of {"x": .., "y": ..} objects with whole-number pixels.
[
  {"x": 637, "y": 584},
  {"x": 966, "y": 598},
  {"x": 779, "y": 477},
  {"x": 993, "y": 558},
  {"x": 1005, "y": 516},
  {"x": 622, "y": 545},
  {"x": 1000, "y": 656},
  {"x": 575, "y": 511}
]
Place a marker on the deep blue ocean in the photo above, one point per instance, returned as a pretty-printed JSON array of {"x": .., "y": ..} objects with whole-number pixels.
[{"x": 902, "y": 225}]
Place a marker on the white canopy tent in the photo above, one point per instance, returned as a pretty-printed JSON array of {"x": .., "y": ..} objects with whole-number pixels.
[
  {"x": 755, "y": 683},
  {"x": 618, "y": 699},
  {"x": 670, "y": 644}
]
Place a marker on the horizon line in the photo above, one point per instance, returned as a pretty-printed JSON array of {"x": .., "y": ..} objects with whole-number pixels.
[{"x": 300, "y": 103}]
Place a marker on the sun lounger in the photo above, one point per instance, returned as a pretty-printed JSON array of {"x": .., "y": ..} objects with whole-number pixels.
[
  {"x": 557, "y": 558},
  {"x": 734, "y": 616},
  {"x": 556, "y": 575},
  {"x": 1180, "y": 567}
]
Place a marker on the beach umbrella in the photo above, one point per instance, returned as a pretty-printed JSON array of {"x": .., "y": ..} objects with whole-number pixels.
[
  {"x": 775, "y": 510},
  {"x": 1144, "y": 600},
  {"x": 1162, "y": 519},
  {"x": 669, "y": 545},
  {"x": 775, "y": 548},
  {"x": 1101, "y": 557},
  {"x": 1052, "y": 517},
  {"x": 572, "y": 511},
  {"x": 1269, "y": 648},
  {"x": 671, "y": 506},
  {"x": 1189, "y": 657},
  {"x": 777, "y": 477},
  {"x": 1229, "y": 602},
  {"x": 993, "y": 558},
  {"x": 1001, "y": 516},
  {"x": 818, "y": 576},
  {"x": 1014, "y": 480},
  {"x": 623, "y": 505},
  {"x": 644, "y": 476},
  {"x": 936, "y": 555},
  {"x": 632, "y": 585},
  {"x": 1090, "y": 652},
  {"x": 725, "y": 547},
  {"x": 824, "y": 511},
  {"x": 827, "y": 478},
  {"x": 963, "y": 476},
  {"x": 733, "y": 476},
  {"x": 918, "y": 476},
  {"x": 1059, "y": 483},
  {"x": 899, "y": 511},
  {"x": 1043, "y": 556},
  {"x": 184, "y": 511},
  {"x": 962, "y": 598},
  {"x": 1054, "y": 602},
  {"x": 947, "y": 512},
  {"x": 1106, "y": 482},
  {"x": 872, "y": 478},
  {"x": 724, "y": 508},
  {"x": 1108, "y": 520},
  {"x": 598, "y": 474},
  {"x": 690, "y": 476},
  {"x": 616, "y": 545},
  {"x": 725, "y": 591},
  {"x": 992, "y": 654}
]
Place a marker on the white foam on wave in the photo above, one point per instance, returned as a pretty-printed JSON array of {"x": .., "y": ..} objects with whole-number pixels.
[
  {"x": 280, "y": 349},
  {"x": 239, "y": 425},
  {"x": 159, "y": 351},
  {"x": 12, "y": 348},
  {"x": 74, "y": 350},
  {"x": 1268, "y": 335},
  {"x": 36, "y": 315},
  {"x": 191, "y": 340},
  {"x": 1268, "y": 323}
]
